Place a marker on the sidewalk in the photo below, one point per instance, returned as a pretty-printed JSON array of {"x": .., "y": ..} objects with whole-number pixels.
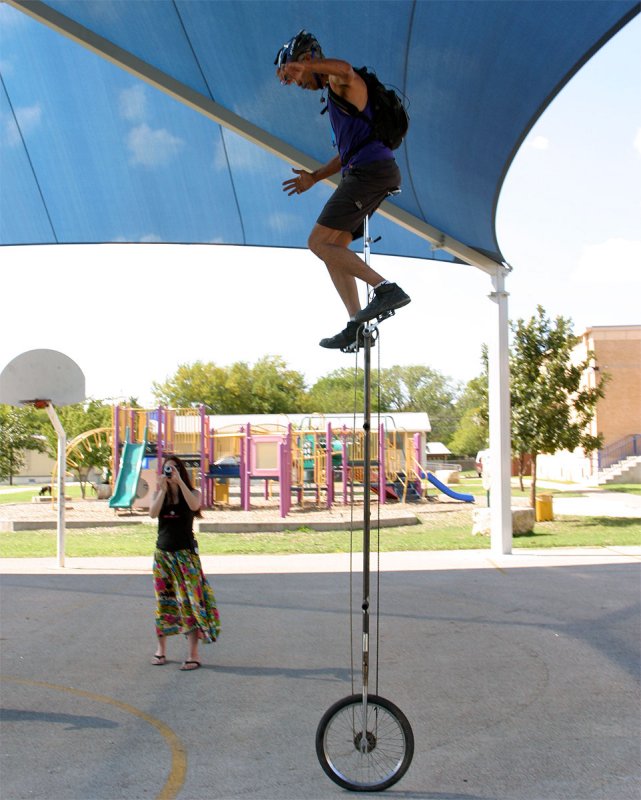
[
  {"x": 600, "y": 504},
  {"x": 407, "y": 561}
]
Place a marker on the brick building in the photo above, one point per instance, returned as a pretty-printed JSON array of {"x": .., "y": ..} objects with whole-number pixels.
[{"x": 616, "y": 352}]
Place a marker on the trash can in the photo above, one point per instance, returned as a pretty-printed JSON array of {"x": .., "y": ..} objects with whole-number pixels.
[
  {"x": 221, "y": 492},
  {"x": 544, "y": 511}
]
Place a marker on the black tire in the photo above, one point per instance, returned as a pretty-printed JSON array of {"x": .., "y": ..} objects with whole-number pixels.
[{"x": 389, "y": 750}]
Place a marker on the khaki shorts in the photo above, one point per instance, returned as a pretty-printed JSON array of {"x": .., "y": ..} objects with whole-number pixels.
[{"x": 361, "y": 191}]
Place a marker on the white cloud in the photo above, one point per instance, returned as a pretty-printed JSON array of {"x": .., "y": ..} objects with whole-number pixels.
[
  {"x": 133, "y": 103},
  {"x": 152, "y": 148},
  {"x": 28, "y": 119},
  {"x": 281, "y": 221},
  {"x": 615, "y": 261},
  {"x": 150, "y": 238},
  {"x": 237, "y": 152},
  {"x": 538, "y": 142},
  {"x": 637, "y": 141}
]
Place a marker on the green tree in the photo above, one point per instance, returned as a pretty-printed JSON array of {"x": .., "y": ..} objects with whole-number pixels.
[
  {"x": 268, "y": 387},
  {"x": 472, "y": 408},
  {"x": 421, "y": 388},
  {"x": 20, "y": 429},
  {"x": 471, "y": 434},
  {"x": 81, "y": 418},
  {"x": 193, "y": 384},
  {"x": 340, "y": 392},
  {"x": 551, "y": 410}
]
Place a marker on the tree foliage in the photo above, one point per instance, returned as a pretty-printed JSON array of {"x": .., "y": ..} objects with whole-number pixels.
[
  {"x": 268, "y": 387},
  {"x": 551, "y": 409},
  {"x": 20, "y": 430},
  {"x": 472, "y": 432},
  {"x": 77, "y": 419},
  {"x": 408, "y": 388},
  {"x": 340, "y": 392},
  {"x": 421, "y": 388}
]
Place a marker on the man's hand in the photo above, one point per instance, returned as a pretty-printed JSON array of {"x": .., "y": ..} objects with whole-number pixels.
[{"x": 301, "y": 183}]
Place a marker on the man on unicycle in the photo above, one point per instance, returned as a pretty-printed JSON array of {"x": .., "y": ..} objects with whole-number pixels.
[{"x": 369, "y": 173}]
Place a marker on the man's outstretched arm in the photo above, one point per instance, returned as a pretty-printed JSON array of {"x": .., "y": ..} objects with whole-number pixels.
[
  {"x": 341, "y": 75},
  {"x": 304, "y": 180},
  {"x": 340, "y": 71}
]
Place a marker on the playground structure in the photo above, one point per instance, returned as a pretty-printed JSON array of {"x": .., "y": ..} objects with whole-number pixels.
[{"x": 311, "y": 460}]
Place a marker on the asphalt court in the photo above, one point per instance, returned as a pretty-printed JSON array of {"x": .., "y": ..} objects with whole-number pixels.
[{"x": 520, "y": 684}]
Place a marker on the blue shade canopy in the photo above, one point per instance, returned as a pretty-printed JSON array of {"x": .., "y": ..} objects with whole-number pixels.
[{"x": 89, "y": 152}]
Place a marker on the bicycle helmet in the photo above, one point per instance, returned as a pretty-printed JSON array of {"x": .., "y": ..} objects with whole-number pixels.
[{"x": 301, "y": 43}]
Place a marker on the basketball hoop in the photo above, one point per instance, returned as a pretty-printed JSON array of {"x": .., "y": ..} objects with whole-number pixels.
[
  {"x": 42, "y": 378},
  {"x": 39, "y": 374}
]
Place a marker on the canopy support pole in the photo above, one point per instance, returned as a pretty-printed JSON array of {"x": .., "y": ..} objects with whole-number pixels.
[{"x": 499, "y": 410}]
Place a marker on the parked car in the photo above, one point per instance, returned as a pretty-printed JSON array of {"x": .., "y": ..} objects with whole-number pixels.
[{"x": 478, "y": 465}]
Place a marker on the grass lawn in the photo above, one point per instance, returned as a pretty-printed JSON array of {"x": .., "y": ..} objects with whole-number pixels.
[
  {"x": 625, "y": 488},
  {"x": 440, "y": 531},
  {"x": 24, "y": 494}
]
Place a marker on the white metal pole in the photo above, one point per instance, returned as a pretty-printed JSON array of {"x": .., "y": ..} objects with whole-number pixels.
[
  {"x": 62, "y": 467},
  {"x": 499, "y": 408}
]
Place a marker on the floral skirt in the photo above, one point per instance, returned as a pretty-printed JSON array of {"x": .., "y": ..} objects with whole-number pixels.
[{"x": 185, "y": 601}]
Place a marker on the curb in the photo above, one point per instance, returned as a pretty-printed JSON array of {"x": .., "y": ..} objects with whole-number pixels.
[{"x": 9, "y": 526}]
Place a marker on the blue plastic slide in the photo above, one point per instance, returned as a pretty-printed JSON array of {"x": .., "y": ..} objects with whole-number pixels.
[
  {"x": 127, "y": 481},
  {"x": 465, "y": 498}
]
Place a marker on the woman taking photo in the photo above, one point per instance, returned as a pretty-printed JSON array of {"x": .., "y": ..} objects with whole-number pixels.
[{"x": 185, "y": 601}]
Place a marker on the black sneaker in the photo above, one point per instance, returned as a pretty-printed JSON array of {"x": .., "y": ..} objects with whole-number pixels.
[
  {"x": 387, "y": 298},
  {"x": 348, "y": 340}
]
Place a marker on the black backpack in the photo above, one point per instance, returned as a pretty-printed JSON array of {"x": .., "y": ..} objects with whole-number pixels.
[{"x": 390, "y": 119}]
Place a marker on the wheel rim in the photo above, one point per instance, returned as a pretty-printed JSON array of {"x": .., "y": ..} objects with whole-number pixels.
[{"x": 379, "y": 761}]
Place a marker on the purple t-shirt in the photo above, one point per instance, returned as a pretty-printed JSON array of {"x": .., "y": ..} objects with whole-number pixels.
[{"x": 349, "y": 131}]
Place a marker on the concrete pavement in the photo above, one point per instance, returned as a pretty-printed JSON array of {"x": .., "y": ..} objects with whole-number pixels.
[
  {"x": 600, "y": 504},
  {"x": 519, "y": 675}
]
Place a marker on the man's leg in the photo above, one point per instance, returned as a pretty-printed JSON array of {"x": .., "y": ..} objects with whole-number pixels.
[{"x": 343, "y": 264}]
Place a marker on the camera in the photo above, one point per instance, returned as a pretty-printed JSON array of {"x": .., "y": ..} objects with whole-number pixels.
[{"x": 167, "y": 470}]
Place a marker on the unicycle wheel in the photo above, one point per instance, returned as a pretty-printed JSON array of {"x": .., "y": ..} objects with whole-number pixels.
[{"x": 370, "y": 760}]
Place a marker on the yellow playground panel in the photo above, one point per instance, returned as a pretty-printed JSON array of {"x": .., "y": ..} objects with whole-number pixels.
[
  {"x": 178, "y": 429},
  {"x": 175, "y": 431}
]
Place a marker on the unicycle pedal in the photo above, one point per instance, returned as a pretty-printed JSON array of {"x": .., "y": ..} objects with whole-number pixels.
[
  {"x": 385, "y": 315},
  {"x": 359, "y": 342}
]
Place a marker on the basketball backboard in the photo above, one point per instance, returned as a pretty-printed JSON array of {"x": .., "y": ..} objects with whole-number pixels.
[{"x": 42, "y": 375}]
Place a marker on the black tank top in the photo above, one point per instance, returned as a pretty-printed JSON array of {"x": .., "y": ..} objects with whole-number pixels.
[{"x": 175, "y": 525}]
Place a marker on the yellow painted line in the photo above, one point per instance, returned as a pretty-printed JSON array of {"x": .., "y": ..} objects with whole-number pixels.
[
  {"x": 496, "y": 566},
  {"x": 178, "y": 769}
]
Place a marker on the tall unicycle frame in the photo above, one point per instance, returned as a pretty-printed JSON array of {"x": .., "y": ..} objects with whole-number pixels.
[{"x": 364, "y": 742}]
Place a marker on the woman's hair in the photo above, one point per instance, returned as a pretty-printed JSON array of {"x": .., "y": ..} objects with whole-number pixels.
[{"x": 182, "y": 471}]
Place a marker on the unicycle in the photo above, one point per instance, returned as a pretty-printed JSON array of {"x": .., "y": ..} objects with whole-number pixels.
[{"x": 364, "y": 742}]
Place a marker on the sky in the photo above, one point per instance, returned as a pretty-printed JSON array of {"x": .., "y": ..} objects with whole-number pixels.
[{"x": 568, "y": 222}]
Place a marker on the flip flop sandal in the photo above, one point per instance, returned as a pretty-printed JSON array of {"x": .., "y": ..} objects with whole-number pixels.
[
  {"x": 186, "y": 668},
  {"x": 159, "y": 661}
]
